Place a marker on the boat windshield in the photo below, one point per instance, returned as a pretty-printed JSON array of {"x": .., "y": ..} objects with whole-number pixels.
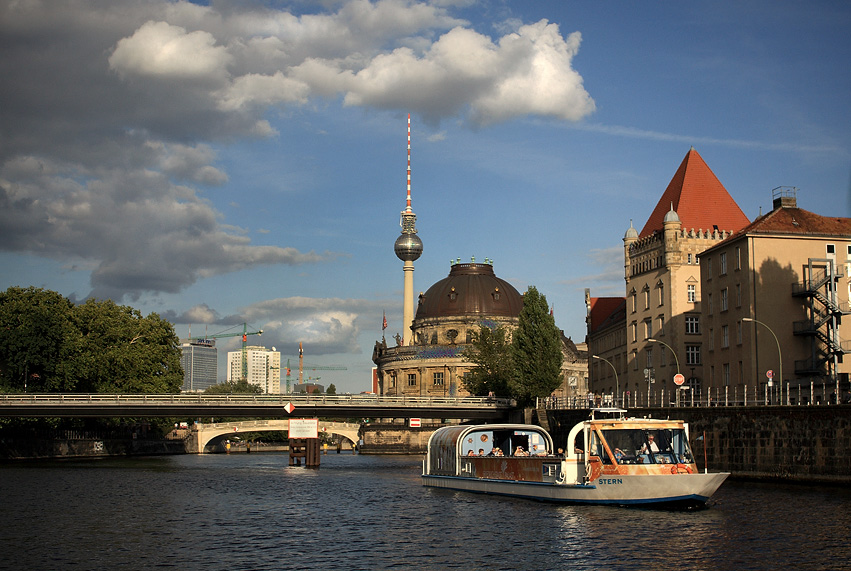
[{"x": 649, "y": 446}]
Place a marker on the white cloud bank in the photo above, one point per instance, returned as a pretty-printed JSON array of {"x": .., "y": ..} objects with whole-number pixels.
[{"x": 110, "y": 111}]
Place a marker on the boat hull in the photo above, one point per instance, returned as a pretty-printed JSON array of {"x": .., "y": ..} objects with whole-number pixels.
[{"x": 687, "y": 490}]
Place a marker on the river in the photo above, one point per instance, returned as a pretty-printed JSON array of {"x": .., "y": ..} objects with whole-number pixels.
[{"x": 253, "y": 511}]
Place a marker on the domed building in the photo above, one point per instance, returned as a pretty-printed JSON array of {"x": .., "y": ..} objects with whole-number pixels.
[{"x": 447, "y": 315}]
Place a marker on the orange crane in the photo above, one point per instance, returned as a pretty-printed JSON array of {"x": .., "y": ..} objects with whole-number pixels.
[
  {"x": 245, "y": 333},
  {"x": 302, "y": 366}
]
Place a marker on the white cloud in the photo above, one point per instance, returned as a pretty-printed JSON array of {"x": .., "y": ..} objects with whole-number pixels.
[{"x": 160, "y": 49}]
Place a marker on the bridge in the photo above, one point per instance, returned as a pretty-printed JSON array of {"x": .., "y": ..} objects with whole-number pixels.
[
  {"x": 67, "y": 405},
  {"x": 204, "y": 435}
]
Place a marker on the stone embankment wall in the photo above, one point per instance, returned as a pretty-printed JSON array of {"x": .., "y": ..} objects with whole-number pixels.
[
  {"x": 386, "y": 438},
  {"x": 796, "y": 443},
  {"x": 86, "y": 448}
]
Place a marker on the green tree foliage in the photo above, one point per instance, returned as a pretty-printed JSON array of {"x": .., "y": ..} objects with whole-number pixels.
[
  {"x": 490, "y": 351},
  {"x": 240, "y": 387},
  {"x": 34, "y": 329},
  {"x": 331, "y": 390},
  {"x": 94, "y": 347},
  {"x": 536, "y": 351}
]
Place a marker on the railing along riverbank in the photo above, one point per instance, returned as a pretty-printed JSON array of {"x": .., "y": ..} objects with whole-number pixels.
[{"x": 800, "y": 395}]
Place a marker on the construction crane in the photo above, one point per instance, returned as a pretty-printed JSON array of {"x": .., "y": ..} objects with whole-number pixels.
[
  {"x": 302, "y": 367},
  {"x": 245, "y": 333}
]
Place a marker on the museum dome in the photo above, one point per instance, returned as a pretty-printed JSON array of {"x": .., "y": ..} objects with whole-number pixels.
[{"x": 470, "y": 290}]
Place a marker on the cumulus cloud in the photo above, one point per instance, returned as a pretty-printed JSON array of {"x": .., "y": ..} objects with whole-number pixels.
[
  {"x": 323, "y": 325},
  {"x": 113, "y": 114}
]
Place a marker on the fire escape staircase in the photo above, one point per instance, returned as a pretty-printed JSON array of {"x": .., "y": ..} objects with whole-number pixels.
[{"x": 825, "y": 313}]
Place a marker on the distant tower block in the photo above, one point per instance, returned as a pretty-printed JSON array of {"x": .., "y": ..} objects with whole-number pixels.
[{"x": 408, "y": 248}]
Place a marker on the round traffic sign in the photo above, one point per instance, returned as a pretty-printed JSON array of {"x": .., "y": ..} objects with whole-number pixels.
[
  {"x": 769, "y": 373},
  {"x": 679, "y": 379}
]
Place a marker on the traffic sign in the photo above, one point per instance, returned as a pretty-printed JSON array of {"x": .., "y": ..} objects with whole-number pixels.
[
  {"x": 415, "y": 423},
  {"x": 769, "y": 373},
  {"x": 679, "y": 379},
  {"x": 289, "y": 407}
]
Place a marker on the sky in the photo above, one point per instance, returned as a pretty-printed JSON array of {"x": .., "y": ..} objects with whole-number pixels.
[{"x": 244, "y": 162}]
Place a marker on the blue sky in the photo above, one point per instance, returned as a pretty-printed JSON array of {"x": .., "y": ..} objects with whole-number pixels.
[{"x": 233, "y": 162}]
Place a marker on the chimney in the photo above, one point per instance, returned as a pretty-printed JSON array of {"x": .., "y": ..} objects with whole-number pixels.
[{"x": 784, "y": 197}]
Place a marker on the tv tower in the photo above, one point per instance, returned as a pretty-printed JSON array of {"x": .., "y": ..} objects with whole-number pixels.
[{"x": 408, "y": 247}]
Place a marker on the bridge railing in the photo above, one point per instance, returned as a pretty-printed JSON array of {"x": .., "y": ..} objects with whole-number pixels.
[{"x": 260, "y": 400}]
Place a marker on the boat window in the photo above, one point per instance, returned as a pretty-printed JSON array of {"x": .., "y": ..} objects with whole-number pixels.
[{"x": 649, "y": 446}]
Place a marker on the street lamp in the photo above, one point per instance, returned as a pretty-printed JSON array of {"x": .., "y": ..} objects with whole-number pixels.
[
  {"x": 779, "y": 354},
  {"x": 652, "y": 340},
  {"x": 617, "y": 384}
]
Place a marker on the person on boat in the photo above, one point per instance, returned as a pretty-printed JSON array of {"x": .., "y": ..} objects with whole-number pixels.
[
  {"x": 619, "y": 454},
  {"x": 471, "y": 453},
  {"x": 650, "y": 445},
  {"x": 520, "y": 452},
  {"x": 481, "y": 451}
]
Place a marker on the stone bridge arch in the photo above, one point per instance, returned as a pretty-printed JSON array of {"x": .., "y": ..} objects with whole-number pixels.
[{"x": 205, "y": 434}]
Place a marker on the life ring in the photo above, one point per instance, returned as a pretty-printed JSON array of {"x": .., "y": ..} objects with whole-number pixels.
[{"x": 680, "y": 469}]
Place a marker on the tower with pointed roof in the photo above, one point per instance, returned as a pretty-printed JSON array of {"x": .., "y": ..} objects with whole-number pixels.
[{"x": 662, "y": 277}]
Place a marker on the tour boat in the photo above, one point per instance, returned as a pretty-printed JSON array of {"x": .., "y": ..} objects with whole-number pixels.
[{"x": 613, "y": 460}]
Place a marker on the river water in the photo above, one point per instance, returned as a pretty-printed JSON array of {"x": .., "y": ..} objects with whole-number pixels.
[{"x": 253, "y": 511}]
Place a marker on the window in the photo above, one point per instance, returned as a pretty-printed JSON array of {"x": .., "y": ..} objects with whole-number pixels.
[
  {"x": 831, "y": 250},
  {"x": 692, "y": 354},
  {"x": 738, "y": 295},
  {"x": 438, "y": 378},
  {"x": 725, "y": 336},
  {"x": 709, "y": 267},
  {"x": 648, "y": 329},
  {"x": 661, "y": 294},
  {"x": 726, "y": 373},
  {"x": 711, "y": 339},
  {"x": 646, "y": 297},
  {"x": 634, "y": 330},
  {"x": 724, "y": 299},
  {"x": 412, "y": 379},
  {"x": 661, "y": 328},
  {"x": 723, "y": 263},
  {"x": 634, "y": 300},
  {"x": 739, "y": 333},
  {"x": 709, "y": 303},
  {"x": 692, "y": 293},
  {"x": 648, "y": 353},
  {"x": 635, "y": 360},
  {"x": 690, "y": 259},
  {"x": 738, "y": 257},
  {"x": 692, "y": 324}
]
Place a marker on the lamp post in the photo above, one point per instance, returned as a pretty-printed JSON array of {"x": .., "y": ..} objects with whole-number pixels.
[
  {"x": 617, "y": 384},
  {"x": 779, "y": 354},
  {"x": 652, "y": 340}
]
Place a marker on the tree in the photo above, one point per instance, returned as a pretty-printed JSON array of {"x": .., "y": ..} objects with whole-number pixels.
[
  {"x": 331, "y": 390},
  {"x": 122, "y": 352},
  {"x": 536, "y": 351},
  {"x": 490, "y": 350},
  {"x": 240, "y": 387},
  {"x": 35, "y": 331}
]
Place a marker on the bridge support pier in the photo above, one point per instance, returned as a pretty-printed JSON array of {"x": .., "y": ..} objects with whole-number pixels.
[{"x": 307, "y": 448}]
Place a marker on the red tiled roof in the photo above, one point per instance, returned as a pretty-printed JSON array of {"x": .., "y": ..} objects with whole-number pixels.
[
  {"x": 699, "y": 199},
  {"x": 605, "y": 311},
  {"x": 798, "y": 221}
]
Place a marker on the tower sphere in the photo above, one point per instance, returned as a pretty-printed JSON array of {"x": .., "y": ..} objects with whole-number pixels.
[{"x": 408, "y": 247}]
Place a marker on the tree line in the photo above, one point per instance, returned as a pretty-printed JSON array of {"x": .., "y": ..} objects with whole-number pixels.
[
  {"x": 523, "y": 363},
  {"x": 50, "y": 344}
]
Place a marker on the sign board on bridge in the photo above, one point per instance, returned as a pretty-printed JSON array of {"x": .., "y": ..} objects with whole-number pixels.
[
  {"x": 414, "y": 422},
  {"x": 304, "y": 428}
]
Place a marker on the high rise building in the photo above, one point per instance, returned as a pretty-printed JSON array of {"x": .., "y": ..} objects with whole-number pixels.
[
  {"x": 263, "y": 368},
  {"x": 199, "y": 359}
]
